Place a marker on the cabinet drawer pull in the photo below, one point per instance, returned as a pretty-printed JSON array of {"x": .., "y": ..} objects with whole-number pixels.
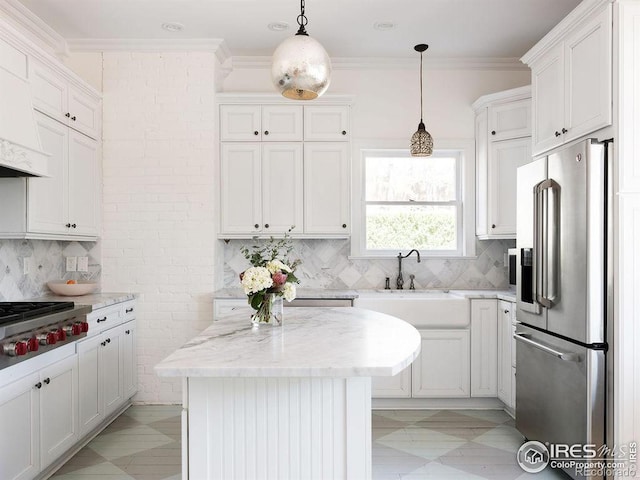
[
  {"x": 47, "y": 381},
  {"x": 127, "y": 332},
  {"x": 557, "y": 134},
  {"x": 104, "y": 319},
  {"x": 256, "y": 132},
  {"x": 506, "y": 311},
  {"x": 103, "y": 343},
  {"x": 68, "y": 225},
  {"x": 493, "y": 132},
  {"x": 73, "y": 225},
  {"x": 564, "y": 130},
  {"x": 73, "y": 118},
  {"x": 67, "y": 114},
  {"x": 38, "y": 385},
  {"x": 108, "y": 340},
  {"x": 129, "y": 310},
  {"x": 344, "y": 132}
]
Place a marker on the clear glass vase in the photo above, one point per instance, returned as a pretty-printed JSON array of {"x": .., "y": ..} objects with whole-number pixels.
[{"x": 270, "y": 311}]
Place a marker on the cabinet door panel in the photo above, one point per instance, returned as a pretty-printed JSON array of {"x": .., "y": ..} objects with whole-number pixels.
[
  {"x": 281, "y": 123},
  {"x": 398, "y": 386},
  {"x": 49, "y": 92},
  {"x": 83, "y": 184},
  {"x": 282, "y": 187},
  {"x": 512, "y": 120},
  {"x": 84, "y": 113},
  {"x": 504, "y": 159},
  {"x": 442, "y": 368},
  {"x": 547, "y": 79},
  {"x": 326, "y": 123},
  {"x": 482, "y": 172},
  {"x": 112, "y": 369},
  {"x": 130, "y": 359},
  {"x": 588, "y": 77},
  {"x": 58, "y": 409},
  {"x": 241, "y": 189},
  {"x": 19, "y": 417},
  {"x": 484, "y": 348},
  {"x": 90, "y": 392},
  {"x": 326, "y": 188},
  {"x": 47, "y": 197},
  {"x": 504, "y": 352},
  {"x": 240, "y": 123}
]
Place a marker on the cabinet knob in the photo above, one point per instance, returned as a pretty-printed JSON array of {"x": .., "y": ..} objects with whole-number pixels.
[
  {"x": 256, "y": 132},
  {"x": 73, "y": 118},
  {"x": 108, "y": 340},
  {"x": 67, "y": 114},
  {"x": 493, "y": 132},
  {"x": 103, "y": 343},
  {"x": 73, "y": 225},
  {"x": 256, "y": 226},
  {"x": 344, "y": 132},
  {"x": 493, "y": 225},
  {"x": 127, "y": 332},
  {"x": 38, "y": 385},
  {"x": 564, "y": 130},
  {"x": 47, "y": 381},
  {"x": 266, "y": 225},
  {"x": 344, "y": 225},
  {"x": 266, "y": 132},
  {"x": 506, "y": 311},
  {"x": 68, "y": 225},
  {"x": 558, "y": 134}
]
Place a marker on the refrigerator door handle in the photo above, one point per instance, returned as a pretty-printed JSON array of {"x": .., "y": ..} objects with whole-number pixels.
[
  {"x": 566, "y": 356},
  {"x": 546, "y": 214},
  {"x": 537, "y": 241}
]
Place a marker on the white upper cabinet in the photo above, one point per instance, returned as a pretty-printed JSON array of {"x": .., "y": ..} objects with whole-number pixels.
[
  {"x": 326, "y": 123},
  {"x": 260, "y": 123},
  {"x": 83, "y": 185},
  {"x": 571, "y": 80},
  {"x": 326, "y": 188},
  {"x": 54, "y": 96},
  {"x": 503, "y": 144},
  {"x": 283, "y": 166}
]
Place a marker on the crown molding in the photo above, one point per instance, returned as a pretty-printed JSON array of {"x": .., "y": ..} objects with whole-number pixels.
[
  {"x": 33, "y": 26},
  {"x": 218, "y": 46},
  {"x": 568, "y": 23},
  {"x": 444, "y": 63},
  {"x": 511, "y": 95}
]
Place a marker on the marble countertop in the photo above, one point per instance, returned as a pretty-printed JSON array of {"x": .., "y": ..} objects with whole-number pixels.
[
  {"x": 313, "y": 342},
  {"x": 508, "y": 295},
  {"x": 93, "y": 300}
]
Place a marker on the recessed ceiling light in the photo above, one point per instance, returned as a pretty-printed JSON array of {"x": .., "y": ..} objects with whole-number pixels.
[
  {"x": 384, "y": 26},
  {"x": 172, "y": 27},
  {"x": 278, "y": 26}
]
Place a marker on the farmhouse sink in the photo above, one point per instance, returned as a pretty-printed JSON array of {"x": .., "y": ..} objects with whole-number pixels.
[{"x": 424, "y": 309}]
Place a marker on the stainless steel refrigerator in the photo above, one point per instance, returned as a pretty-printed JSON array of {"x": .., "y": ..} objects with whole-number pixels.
[{"x": 563, "y": 349}]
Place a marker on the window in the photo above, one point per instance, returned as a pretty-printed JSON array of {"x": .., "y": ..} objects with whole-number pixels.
[{"x": 414, "y": 202}]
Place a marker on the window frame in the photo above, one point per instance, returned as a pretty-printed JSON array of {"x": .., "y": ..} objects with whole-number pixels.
[{"x": 465, "y": 201}]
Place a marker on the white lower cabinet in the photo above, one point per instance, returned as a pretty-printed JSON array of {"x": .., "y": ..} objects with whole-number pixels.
[
  {"x": 107, "y": 374},
  {"x": 484, "y": 348},
  {"x": 442, "y": 368},
  {"x": 39, "y": 418},
  {"x": 506, "y": 353},
  {"x": 398, "y": 386}
]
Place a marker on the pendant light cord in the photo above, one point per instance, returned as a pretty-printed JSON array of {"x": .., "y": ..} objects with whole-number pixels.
[
  {"x": 420, "y": 87},
  {"x": 302, "y": 20}
]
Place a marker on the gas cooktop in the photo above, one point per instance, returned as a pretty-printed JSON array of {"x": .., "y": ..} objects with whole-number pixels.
[{"x": 16, "y": 311}]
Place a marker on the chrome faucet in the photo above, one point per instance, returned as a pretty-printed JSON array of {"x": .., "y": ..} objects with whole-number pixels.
[{"x": 400, "y": 280}]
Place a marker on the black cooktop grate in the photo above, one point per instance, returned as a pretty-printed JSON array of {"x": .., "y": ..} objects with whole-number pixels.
[{"x": 15, "y": 311}]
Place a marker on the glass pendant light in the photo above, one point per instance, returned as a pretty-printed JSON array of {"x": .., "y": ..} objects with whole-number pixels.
[
  {"x": 301, "y": 68},
  {"x": 421, "y": 141}
]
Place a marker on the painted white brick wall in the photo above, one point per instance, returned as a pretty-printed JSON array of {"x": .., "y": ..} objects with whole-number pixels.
[{"x": 160, "y": 191}]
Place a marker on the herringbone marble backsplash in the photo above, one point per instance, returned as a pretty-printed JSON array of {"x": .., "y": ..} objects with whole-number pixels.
[
  {"x": 325, "y": 264},
  {"x": 46, "y": 262}
]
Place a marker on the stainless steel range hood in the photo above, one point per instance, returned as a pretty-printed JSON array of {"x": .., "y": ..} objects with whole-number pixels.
[{"x": 21, "y": 153}]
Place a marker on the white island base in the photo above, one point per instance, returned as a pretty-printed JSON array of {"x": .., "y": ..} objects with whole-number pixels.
[
  {"x": 279, "y": 428},
  {"x": 290, "y": 402}
]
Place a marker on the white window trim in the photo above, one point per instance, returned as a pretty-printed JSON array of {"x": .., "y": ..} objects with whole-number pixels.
[{"x": 468, "y": 190}]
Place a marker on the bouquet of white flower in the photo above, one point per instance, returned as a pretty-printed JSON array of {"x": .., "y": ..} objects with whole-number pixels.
[{"x": 269, "y": 277}]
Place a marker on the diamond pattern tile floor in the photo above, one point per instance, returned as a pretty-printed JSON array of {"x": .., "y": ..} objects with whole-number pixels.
[{"x": 144, "y": 444}]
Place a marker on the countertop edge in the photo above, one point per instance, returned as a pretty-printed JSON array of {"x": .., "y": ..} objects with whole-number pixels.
[{"x": 94, "y": 300}]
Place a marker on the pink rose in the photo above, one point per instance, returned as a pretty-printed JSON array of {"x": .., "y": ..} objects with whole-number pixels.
[{"x": 279, "y": 279}]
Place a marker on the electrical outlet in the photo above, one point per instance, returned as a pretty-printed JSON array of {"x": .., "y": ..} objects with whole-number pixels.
[
  {"x": 25, "y": 265},
  {"x": 83, "y": 264},
  {"x": 72, "y": 264}
]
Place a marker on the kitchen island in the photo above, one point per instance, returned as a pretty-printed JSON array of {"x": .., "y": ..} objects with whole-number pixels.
[{"x": 288, "y": 402}]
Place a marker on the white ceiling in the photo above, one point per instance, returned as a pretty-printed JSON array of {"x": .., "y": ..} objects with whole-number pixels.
[{"x": 452, "y": 28}]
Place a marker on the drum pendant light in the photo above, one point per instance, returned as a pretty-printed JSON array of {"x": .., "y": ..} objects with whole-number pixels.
[
  {"x": 301, "y": 68},
  {"x": 421, "y": 141}
]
